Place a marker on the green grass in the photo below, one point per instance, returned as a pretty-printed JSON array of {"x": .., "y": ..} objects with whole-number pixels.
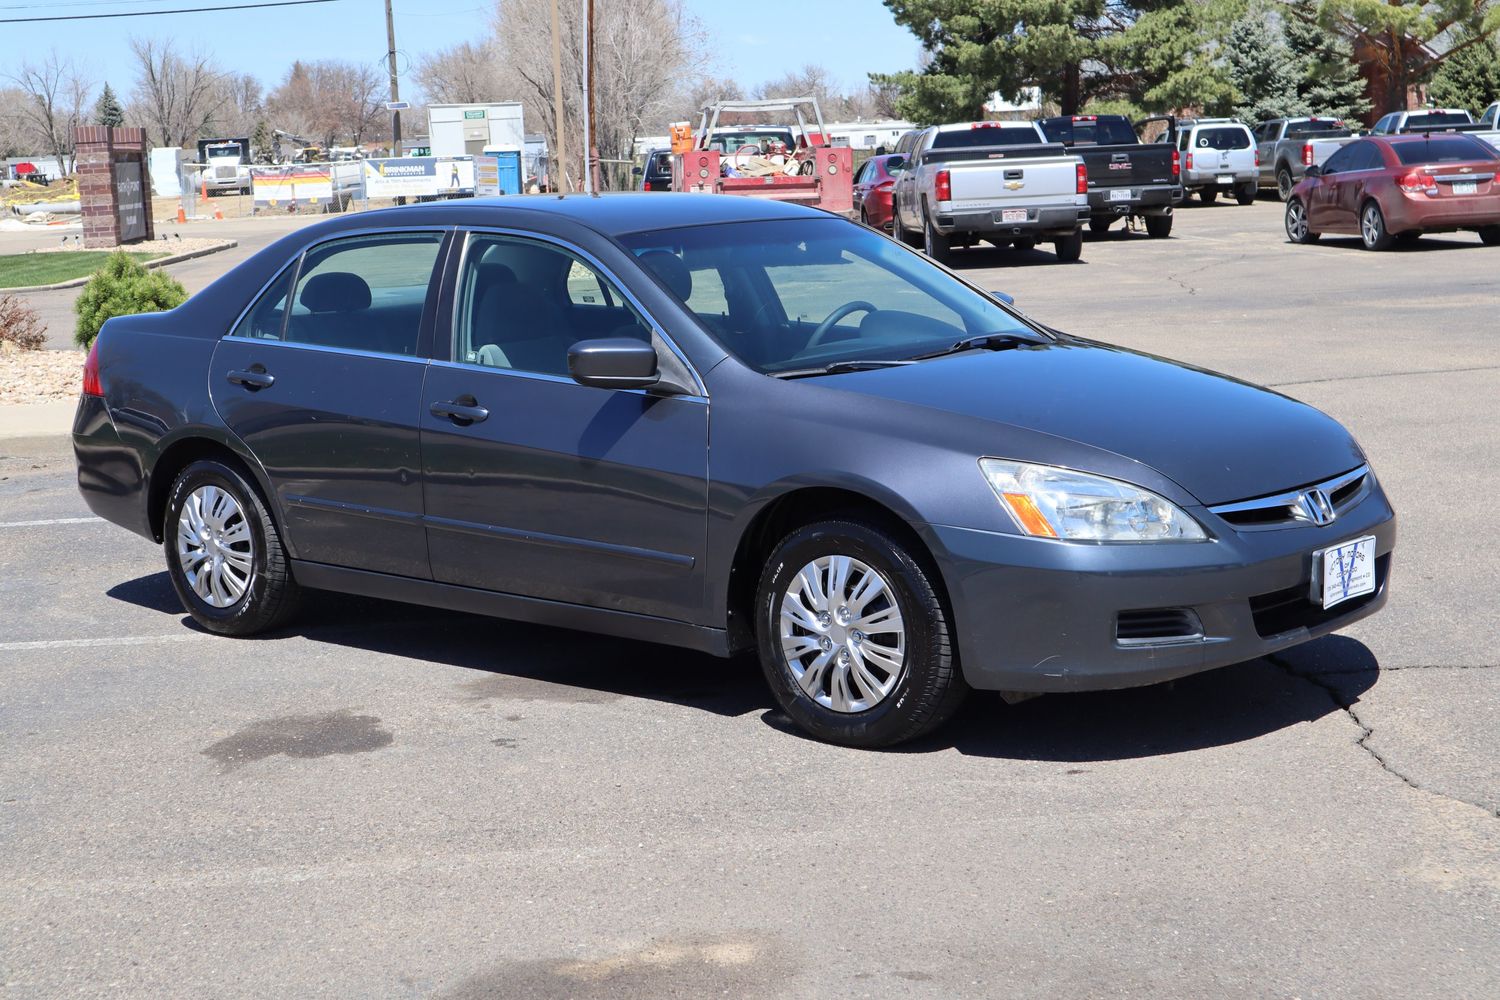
[{"x": 22, "y": 269}]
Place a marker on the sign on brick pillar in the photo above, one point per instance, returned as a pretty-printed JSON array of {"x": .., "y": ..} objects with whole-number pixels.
[{"x": 114, "y": 185}]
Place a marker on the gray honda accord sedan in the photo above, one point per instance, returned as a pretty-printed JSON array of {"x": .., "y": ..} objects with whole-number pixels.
[{"x": 728, "y": 424}]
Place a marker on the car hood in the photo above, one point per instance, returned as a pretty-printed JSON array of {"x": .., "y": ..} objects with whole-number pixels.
[{"x": 1218, "y": 438}]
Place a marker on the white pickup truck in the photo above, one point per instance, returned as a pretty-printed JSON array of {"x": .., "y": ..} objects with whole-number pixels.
[{"x": 995, "y": 181}]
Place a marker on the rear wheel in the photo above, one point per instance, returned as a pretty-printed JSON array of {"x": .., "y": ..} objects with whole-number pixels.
[
  {"x": 1490, "y": 236},
  {"x": 1246, "y": 192},
  {"x": 935, "y": 244},
  {"x": 1158, "y": 227},
  {"x": 853, "y": 637},
  {"x": 1296, "y": 223},
  {"x": 1024, "y": 244},
  {"x": 1284, "y": 183},
  {"x": 1208, "y": 194},
  {"x": 224, "y": 554},
  {"x": 1372, "y": 229},
  {"x": 1068, "y": 248}
]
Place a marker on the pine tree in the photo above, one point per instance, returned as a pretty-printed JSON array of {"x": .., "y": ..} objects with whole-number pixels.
[
  {"x": 1331, "y": 84},
  {"x": 1468, "y": 79},
  {"x": 107, "y": 110},
  {"x": 1263, "y": 69}
]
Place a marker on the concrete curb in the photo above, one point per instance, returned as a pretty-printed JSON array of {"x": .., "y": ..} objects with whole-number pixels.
[
  {"x": 32, "y": 420},
  {"x": 150, "y": 266}
]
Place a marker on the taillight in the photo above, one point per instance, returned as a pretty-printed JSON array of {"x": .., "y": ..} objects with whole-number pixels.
[
  {"x": 1307, "y": 157},
  {"x": 91, "y": 384},
  {"x": 1257, "y": 157},
  {"x": 885, "y": 185},
  {"x": 1417, "y": 182},
  {"x": 1176, "y": 164},
  {"x": 943, "y": 182},
  {"x": 1083, "y": 179},
  {"x": 1190, "y": 160}
]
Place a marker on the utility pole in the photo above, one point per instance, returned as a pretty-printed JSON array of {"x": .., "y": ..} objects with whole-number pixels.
[
  {"x": 390, "y": 57},
  {"x": 591, "y": 161},
  {"x": 558, "y": 181}
]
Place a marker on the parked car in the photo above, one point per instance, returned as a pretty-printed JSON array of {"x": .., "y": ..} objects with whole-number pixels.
[
  {"x": 503, "y": 406},
  {"x": 1393, "y": 189},
  {"x": 1128, "y": 179},
  {"x": 873, "y": 184},
  {"x": 1218, "y": 154},
  {"x": 1397, "y": 121},
  {"x": 996, "y": 181},
  {"x": 1285, "y": 147},
  {"x": 656, "y": 172}
]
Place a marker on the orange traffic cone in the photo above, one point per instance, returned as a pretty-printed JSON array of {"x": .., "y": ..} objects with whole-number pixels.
[
  {"x": 218, "y": 214},
  {"x": 181, "y": 214}
]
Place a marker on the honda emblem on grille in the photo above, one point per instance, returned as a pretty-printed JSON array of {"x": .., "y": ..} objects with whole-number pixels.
[{"x": 1314, "y": 505}]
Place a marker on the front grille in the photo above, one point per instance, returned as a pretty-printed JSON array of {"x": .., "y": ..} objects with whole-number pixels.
[
  {"x": 1283, "y": 610},
  {"x": 1281, "y": 510},
  {"x": 1157, "y": 625}
]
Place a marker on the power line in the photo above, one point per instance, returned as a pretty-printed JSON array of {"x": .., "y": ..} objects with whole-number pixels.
[{"x": 155, "y": 13}]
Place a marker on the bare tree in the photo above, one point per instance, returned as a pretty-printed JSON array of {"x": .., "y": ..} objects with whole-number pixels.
[
  {"x": 330, "y": 101},
  {"x": 837, "y": 103},
  {"x": 177, "y": 97},
  {"x": 241, "y": 105},
  {"x": 467, "y": 73},
  {"x": 55, "y": 98},
  {"x": 640, "y": 47},
  {"x": 14, "y": 140}
]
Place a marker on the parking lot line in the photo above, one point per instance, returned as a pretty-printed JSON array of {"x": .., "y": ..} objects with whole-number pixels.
[
  {"x": 51, "y": 521},
  {"x": 122, "y": 640}
]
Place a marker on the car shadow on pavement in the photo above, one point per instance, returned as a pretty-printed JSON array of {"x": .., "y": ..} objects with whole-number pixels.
[
  {"x": 512, "y": 659},
  {"x": 986, "y": 256}
]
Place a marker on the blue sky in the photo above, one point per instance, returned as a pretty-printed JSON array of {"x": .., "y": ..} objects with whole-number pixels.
[{"x": 753, "y": 41}]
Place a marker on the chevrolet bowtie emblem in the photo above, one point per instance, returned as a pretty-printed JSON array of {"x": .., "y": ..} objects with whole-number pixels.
[{"x": 1014, "y": 185}]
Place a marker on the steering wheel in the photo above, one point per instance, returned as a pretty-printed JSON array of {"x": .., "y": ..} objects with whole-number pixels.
[{"x": 844, "y": 310}]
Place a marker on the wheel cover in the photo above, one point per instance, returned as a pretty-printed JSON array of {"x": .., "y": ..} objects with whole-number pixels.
[
  {"x": 215, "y": 547},
  {"x": 1370, "y": 225},
  {"x": 1284, "y": 184},
  {"x": 842, "y": 634},
  {"x": 1296, "y": 221}
]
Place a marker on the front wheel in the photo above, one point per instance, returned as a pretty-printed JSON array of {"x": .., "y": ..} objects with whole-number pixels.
[
  {"x": 1068, "y": 248},
  {"x": 1284, "y": 184},
  {"x": 1372, "y": 229},
  {"x": 1024, "y": 244},
  {"x": 1296, "y": 223},
  {"x": 1158, "y": 227},
  {"x": 1246, "y": 192},
  {"x": 854, "y": 638},
  {"x": 1099, "y": 224},
  {"x": 1490, "y": 236},
  {"x": 224, "y": 554},
  {"x": 1208, "y": 194}
]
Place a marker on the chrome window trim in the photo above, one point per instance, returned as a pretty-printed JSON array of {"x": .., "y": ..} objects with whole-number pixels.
[
  {"x": 470, "y": 366},
  {"x": 323, "y": 348},
  {"x": 296, "y": 262},
  {"x": 1288, "y": 499},
  {"x": 469, "y": 232}
]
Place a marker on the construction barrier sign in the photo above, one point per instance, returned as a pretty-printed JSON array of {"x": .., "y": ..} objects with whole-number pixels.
[
  {"x": 289, "y": 187},
  {"x": 418, "y": 176}
]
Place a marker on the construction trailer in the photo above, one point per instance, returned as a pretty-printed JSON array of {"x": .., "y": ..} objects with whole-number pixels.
[{"x": 475, "y": 129}]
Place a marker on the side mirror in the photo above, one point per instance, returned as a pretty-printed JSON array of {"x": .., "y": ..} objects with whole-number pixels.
[
  {"x": 637, "y": 171},
  {"x": 895, "y": 164},
  {"x": 614, "y": 363},
  {"x": 1313, "y": 171},
  {"x": 1005, "y": 297}
]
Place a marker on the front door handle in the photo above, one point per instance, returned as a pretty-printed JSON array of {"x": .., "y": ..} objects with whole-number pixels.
[
  {"x": 252, "y": 378},
  {"x": 463, "y": 411}
]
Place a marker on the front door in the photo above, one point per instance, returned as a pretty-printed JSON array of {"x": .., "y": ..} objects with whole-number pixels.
[
  {"x": 326, "y": 395},
  {"x": 536, "y": 485}
]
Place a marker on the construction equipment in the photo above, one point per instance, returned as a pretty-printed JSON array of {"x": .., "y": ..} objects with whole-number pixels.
[{"x": 767, "y": 161}]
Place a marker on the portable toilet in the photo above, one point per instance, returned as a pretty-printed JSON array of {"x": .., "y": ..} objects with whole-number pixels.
[{"x": 508, "y": 165}]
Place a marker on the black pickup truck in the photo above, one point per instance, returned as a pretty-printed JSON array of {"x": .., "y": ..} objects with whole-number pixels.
[{"x": 1127, "y": 178}]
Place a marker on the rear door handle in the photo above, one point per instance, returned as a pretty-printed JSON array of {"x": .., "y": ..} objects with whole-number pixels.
[
  {"x": 463, "y": 411},
  {"x": 252, "y": 378}
]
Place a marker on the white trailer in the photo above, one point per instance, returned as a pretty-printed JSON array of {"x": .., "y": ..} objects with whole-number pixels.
[{"x": 475, "y": 129}]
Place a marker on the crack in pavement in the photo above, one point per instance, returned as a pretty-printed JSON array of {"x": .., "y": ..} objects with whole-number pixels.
[
  {"x": 1367, "y": 731},
  {"x": 1193, "y": 289},
  {"x": 1400, "y": 374},
  {"x": 1414, "y": 666}
]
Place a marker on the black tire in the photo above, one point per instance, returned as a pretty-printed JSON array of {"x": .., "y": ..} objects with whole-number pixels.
[
  {"x": 1208, "y": 194},
  {"x": 902, "y": 233},
  {"x": 1158, "y": 227},
  {"x": 1068, "y": 248},
  {"x": 1099, "y": 224},
  {"x": 929, "y": 685},
  {"x": 1246, "y": 192},
  {"x": 1284, "y": 183},
  {"x": 1024, "y": 244},
  {"x": 271, "y": 594},
  {"x": 1372, "y": 231},
  {"x": 1490, "y": 236},
  {"x": 1295, "y": 223},
  {"x": 935, "y": 244}
]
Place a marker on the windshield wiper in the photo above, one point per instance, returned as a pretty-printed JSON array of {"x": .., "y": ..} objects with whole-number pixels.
[
  {"x": 984, "y": 341},
  {"x": 841, "y": 366}
]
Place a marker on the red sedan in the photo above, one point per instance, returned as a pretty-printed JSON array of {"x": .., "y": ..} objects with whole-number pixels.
[
  {"x": 1391, "y": 189},
  {"x": 872, "y": 189}
]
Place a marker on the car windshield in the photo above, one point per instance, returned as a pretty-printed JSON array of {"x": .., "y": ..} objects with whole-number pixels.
[
  {"x": 1222, "y": 138},
  {"x": 1084, "y": 131},
  {"x": 985, "y": 135},
  {"x": 791, "y": 294},
  {"x": 1296, "y": 130},
  {"x": 1443, "y": 149}
]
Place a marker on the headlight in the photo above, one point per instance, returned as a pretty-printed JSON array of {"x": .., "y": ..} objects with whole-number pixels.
[{"x": 1048, "y": 502}]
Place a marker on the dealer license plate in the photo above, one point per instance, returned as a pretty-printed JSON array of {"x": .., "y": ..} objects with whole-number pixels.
[
  {"x": 1348, "y": 570},
  {"x": 1465, "y": 187},
  {"x": 1226, "y": 178},
  {"x": 1013, "y": 215},
  {"x": 1119, "y": 194}
]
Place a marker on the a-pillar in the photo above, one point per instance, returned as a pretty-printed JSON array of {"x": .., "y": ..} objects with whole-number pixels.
[{"x": 114, "y": 185}]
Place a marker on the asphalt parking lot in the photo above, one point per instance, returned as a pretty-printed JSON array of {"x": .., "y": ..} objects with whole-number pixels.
[{"x": 394, "y": 801}]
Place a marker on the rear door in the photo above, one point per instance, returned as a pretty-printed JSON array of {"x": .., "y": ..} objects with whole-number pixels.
[
  {"x": 326, "y": 395},
  {"x": 1224, "y": 149},
  {"x": 1365, "y": 164}
]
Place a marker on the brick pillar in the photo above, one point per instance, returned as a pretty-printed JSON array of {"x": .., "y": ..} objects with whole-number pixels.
[{"x": 114, "y": 185}]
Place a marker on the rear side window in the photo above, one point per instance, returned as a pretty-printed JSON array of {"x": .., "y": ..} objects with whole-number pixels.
[
  {"x": 266, "y": 318},
  {"x": 1443, "y": 149},
  {"x": 1099, "y": 132},
  {"x": 985, "y": 135},
  {"x": 1222, "y": 138},
  {"x": 365, "y": 293}
]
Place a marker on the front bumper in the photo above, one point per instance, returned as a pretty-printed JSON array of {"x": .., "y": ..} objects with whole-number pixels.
[
  {"x": 1040, "y": 615},
  {"x": 1040, "y": 221},
  {"x": 1143, "y": 201}
]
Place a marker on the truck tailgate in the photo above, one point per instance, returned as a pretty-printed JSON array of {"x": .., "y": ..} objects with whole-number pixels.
[
  {"x": 1014, "y": 182},
  {"x": 1133, "y": 165}
]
